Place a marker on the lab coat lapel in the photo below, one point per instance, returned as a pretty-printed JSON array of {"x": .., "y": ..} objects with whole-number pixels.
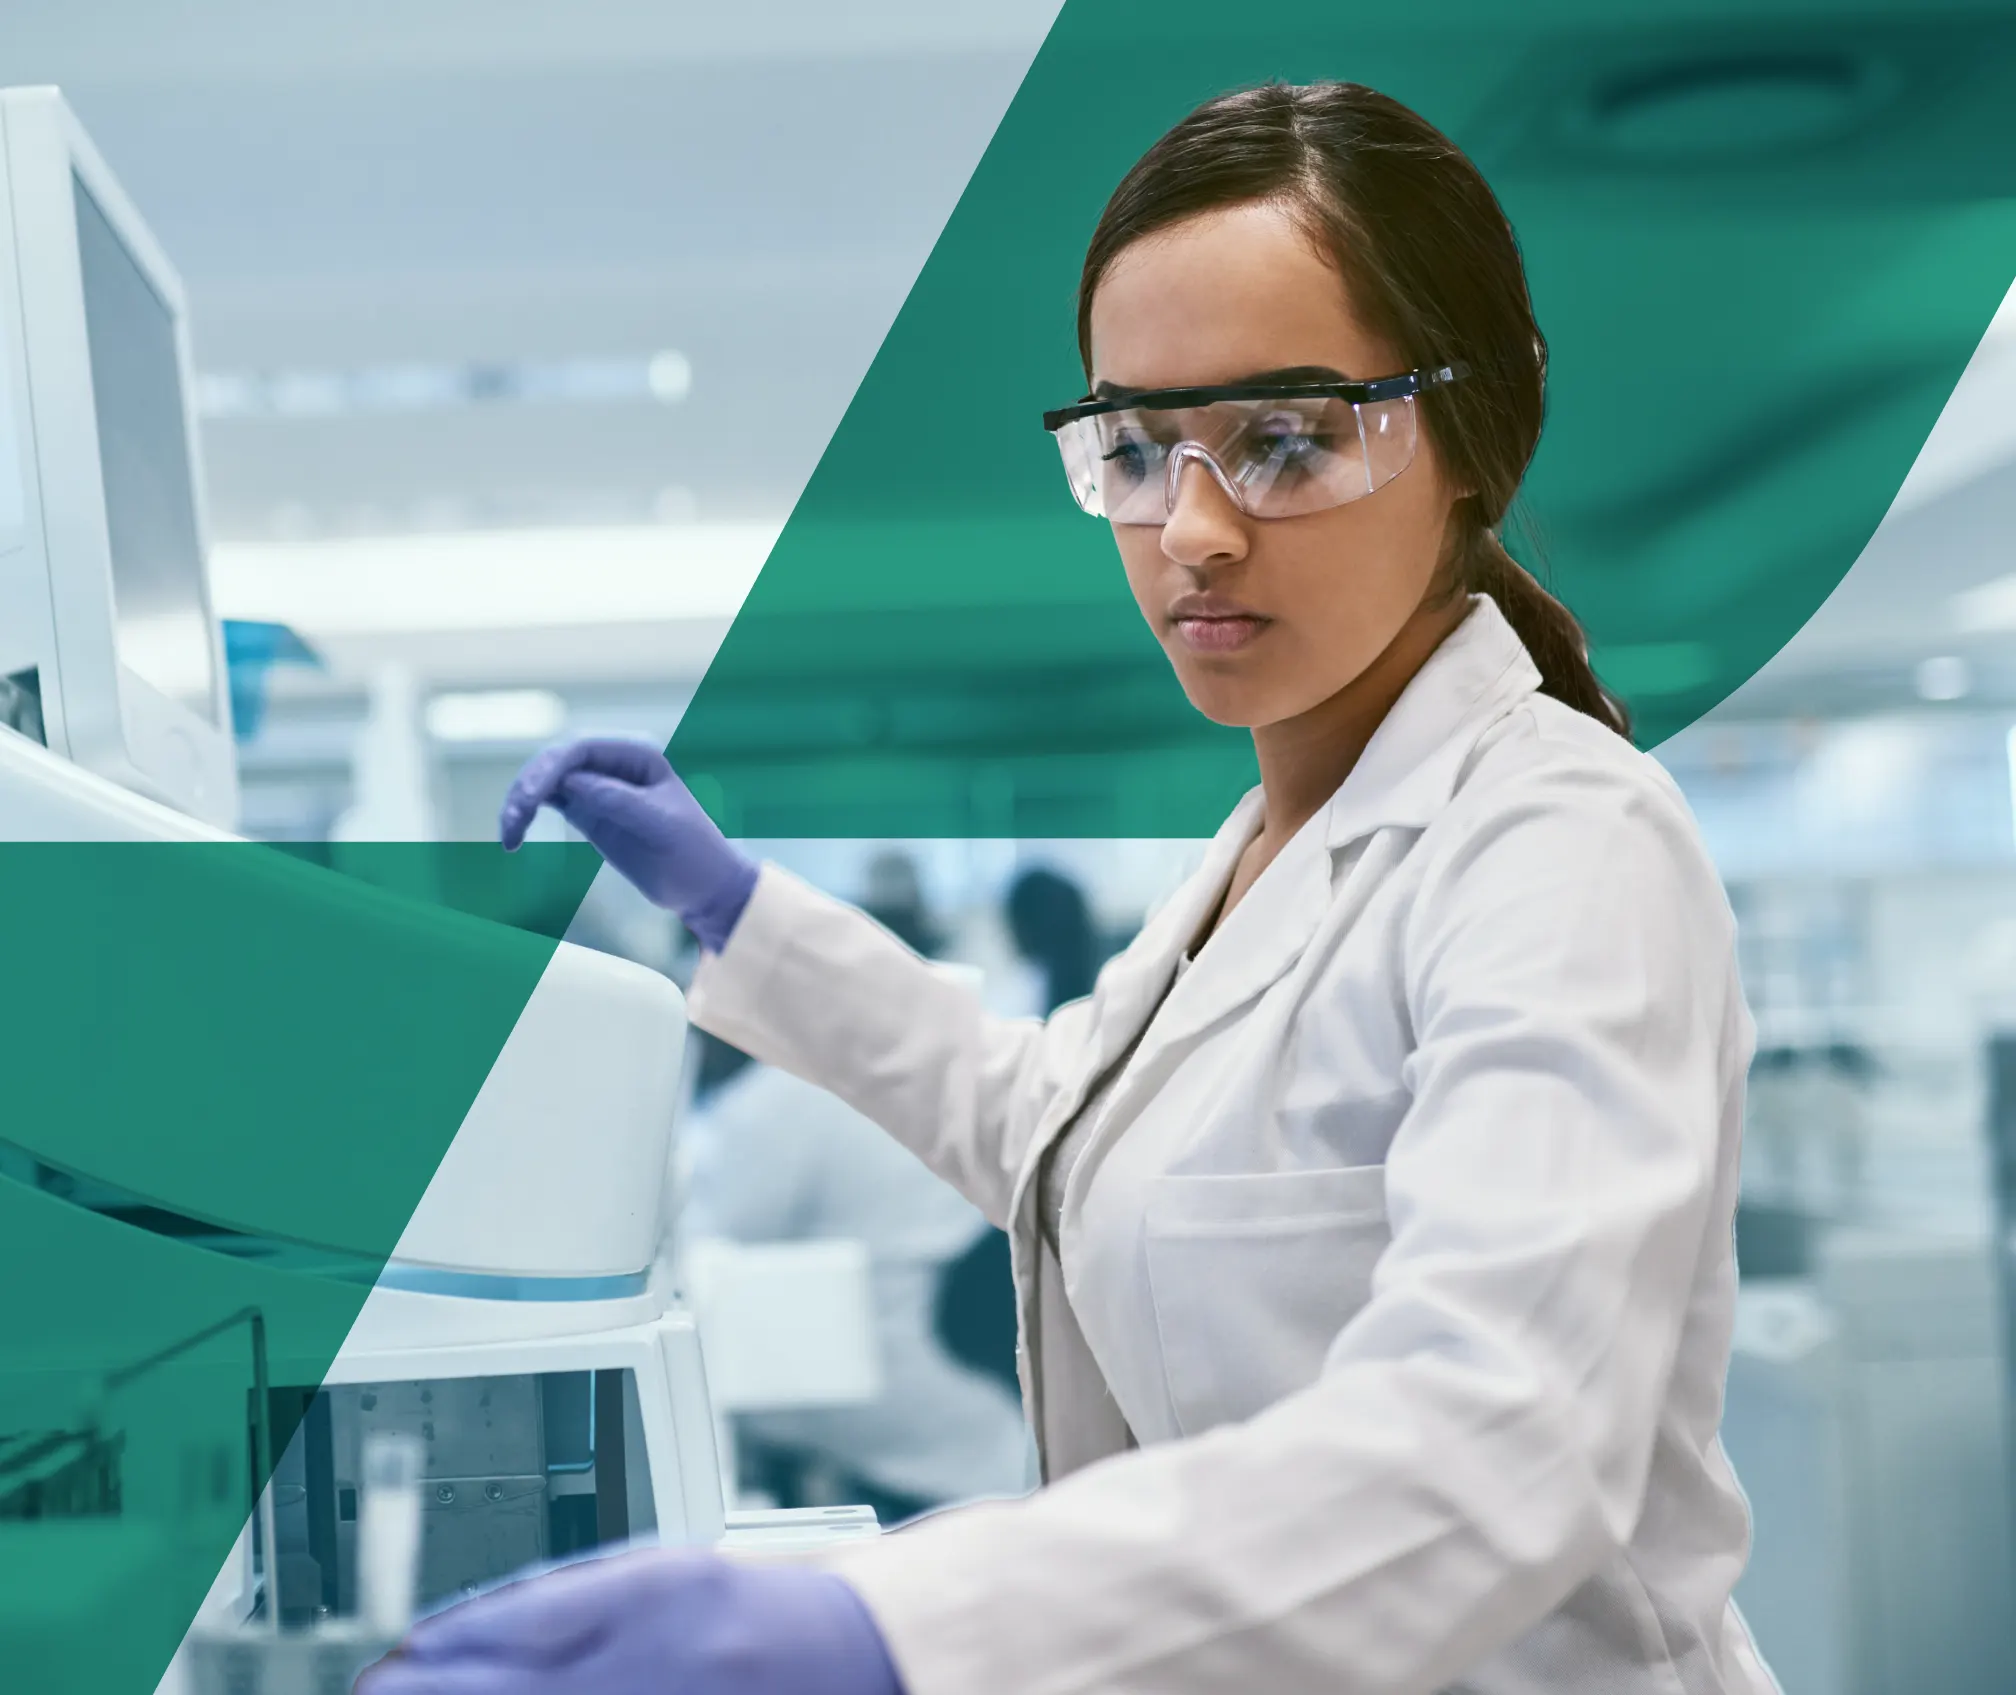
[
  {"x": 1131, "y": 988},
  {"x": 1150, "y": 965},
  {"x": 1404, "y": 777},
  {"x": 1409, "y": 769},
  {"x": 1253, "y": 945}
]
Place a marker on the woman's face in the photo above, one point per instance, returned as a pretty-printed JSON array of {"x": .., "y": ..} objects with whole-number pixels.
[{"x": 1264, "y": 619}]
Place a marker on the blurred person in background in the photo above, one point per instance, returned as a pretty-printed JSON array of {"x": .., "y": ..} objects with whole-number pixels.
[
  {"x": 1808, "y": 1124},
  {"x": 1050, "y": 923},
  {"x": 894, "y": 898},
  {"x": 769, "y": 1158}
]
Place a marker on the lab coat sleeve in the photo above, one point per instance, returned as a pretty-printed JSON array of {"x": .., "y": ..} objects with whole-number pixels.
[
  {"x": 817, "y": 988},
  {"x": 1478, "y": 1442}
]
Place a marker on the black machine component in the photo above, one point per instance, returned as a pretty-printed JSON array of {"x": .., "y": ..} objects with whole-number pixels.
[
  {"x": 21, "y": 704},
  {"x": 518, "y": 1471},
  {"x": 77, "y": 1472},
  {"x": 60, "y": 1474}
]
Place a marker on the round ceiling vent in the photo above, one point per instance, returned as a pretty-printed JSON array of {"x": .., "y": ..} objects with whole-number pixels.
[{"x": 1734, "y": 105}]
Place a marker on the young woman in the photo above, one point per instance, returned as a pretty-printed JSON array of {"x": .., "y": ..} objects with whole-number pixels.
[{"x": 1372, "y": 1217}]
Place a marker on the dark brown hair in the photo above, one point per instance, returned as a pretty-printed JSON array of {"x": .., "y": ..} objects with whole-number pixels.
[{"x": 1431, "y": 266}]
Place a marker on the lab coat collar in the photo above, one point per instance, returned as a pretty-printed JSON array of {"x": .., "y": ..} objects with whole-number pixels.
[
  {"x": 1258, "y": 939},
  {"x": 1405, "y": 776},
  {"x": 1135, "y": 985},
  {"x": 1151, "y": 964},
  {"x": 1409, "y": 769}
]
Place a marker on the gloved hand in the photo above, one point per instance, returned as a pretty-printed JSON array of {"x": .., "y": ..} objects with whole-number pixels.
[
  {"x": 661, "y": 1622},
  {"x": 630, "y": 803}
]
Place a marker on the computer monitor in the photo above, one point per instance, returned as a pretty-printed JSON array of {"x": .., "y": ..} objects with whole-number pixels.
[{"x": 109, "y": 649}]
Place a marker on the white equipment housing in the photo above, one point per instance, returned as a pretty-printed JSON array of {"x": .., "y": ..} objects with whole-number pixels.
[
  {"x": 536, "y": 1250},
  {"x": 106, "y": 628}
]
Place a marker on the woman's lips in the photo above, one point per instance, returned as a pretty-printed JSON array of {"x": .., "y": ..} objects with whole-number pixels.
[{"x": 1219, "y": 633}]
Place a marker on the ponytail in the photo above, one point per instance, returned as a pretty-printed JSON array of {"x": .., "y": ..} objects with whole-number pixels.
[{"x": 1550, "y": 633}]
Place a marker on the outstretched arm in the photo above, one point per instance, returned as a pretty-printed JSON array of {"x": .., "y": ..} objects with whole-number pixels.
[{"x": 807, "y": 983}]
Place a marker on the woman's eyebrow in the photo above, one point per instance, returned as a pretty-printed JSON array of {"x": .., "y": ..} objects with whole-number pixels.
[{"x": 1285, "y": 374}]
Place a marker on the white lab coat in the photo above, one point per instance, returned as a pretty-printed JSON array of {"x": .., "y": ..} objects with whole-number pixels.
[
  {"x": 1404, "y": 1247},
  {"x": 774, "y": 1159}
]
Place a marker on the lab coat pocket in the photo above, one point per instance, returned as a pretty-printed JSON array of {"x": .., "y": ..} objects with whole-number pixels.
[{"x": 1253, "y": 1275}]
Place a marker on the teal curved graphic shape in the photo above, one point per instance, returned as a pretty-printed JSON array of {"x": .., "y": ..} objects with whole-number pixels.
[{"x": 1763, "y": 243}]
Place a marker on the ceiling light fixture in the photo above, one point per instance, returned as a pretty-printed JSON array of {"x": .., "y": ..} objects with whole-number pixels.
[
  {"x": 669, "y": 376},
  {"x": 496, "y": 715},
  {"x": 493, "y": 579},
  {"x": 2012, "y": 780},
  {"x": 665, "y": 377},
  {"x": 1986, "y": 609},
  {"x": 1945, "y": 677},
  {"x": 1732, "y": 105}
]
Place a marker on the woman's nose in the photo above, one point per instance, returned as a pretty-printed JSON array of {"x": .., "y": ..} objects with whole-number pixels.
[{"x": 1204, "y": 527}]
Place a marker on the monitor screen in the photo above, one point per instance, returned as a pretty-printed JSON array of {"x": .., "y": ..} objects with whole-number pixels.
[{"x": 159, "y": 604}]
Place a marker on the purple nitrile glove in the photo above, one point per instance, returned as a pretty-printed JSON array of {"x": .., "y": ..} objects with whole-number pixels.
[
  {"x": 662, "y": 1622},
  {"x": 630, "y": 803}
]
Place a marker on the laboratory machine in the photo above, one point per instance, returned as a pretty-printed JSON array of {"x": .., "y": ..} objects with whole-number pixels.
[
  {"x": 525, "y": 1346},
  {"x": 109, "y": 654}
]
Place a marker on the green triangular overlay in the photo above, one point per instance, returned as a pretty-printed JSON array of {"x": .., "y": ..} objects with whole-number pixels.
[
  {"x": 1753, "y": 330},
  {"x": 237, "y": 1039}
]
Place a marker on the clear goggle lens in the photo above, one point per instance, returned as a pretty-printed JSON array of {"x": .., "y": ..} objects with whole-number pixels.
[{"x": 1276, "y": 458}]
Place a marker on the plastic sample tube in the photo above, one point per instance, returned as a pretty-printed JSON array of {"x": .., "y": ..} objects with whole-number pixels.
[{"x": 388, "y": 1533}]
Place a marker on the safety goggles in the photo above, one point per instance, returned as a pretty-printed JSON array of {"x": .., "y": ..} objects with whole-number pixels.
[{"x": 1278, "y": 449}]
